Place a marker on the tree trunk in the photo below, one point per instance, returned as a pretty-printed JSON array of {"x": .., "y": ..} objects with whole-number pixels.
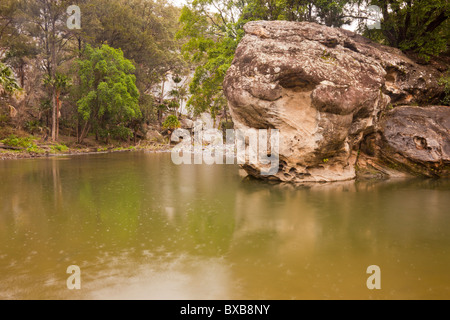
[
  {"x": 54, "y": 115},
  {"x": 53, "y": 65},
  {"x": 161, "y": 101},
  {"x": 84, "y": 132},
  {"x": 58, "y": 108},
  {"x": 78, "y": 130}
]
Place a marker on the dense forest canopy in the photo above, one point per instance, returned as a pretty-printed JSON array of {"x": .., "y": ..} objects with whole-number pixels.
[{"x": 108, "y": 78}]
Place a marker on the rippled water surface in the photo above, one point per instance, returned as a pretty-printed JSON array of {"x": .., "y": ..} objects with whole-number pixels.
[{"x": 140, "y": 227}]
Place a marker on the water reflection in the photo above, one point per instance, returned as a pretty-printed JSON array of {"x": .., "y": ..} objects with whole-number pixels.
[
  {"x": 182, "y": 277},
  {"x": 140, "y": 227}
]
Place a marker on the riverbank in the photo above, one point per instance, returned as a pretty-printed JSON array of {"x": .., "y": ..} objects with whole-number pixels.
[
  {"x": 15, "y": 155},
  {"x": 29, "y": 147}
]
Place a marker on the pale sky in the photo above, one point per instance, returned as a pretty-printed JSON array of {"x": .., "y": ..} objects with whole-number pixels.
[{"x": 178, "y": 3}]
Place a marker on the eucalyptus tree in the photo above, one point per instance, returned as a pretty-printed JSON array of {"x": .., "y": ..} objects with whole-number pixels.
[{"x": 45, "y": 23}]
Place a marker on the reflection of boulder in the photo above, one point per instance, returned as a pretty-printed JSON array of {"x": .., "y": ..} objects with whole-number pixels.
[{"x": 325, "y": 89}]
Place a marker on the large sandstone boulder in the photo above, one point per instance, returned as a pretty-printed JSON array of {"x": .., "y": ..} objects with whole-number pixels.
[{"x": 326, "y": 90}]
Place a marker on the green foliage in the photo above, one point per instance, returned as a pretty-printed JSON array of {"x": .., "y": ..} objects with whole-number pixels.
[
  {"x": 143, "y": 29},
  {"x": 60, "y": 81},
  {"x": 8, "y": 83},
  {"x": 33, "y": 126},
  {"x": 108, "y": 88},
  {"x": 162, "y": 107},
  {"x": 419, "y": 26},
  {"x": 173, "y": 105},
  {"x": 117, "y": 132},
  {"x": 60, "y": 148},
  {"x": 148, "y": 107},
  {"x": 14, "y": 141},
  {"x": 171, "y": 122},
  {"x": 29, "y": 144},
  {"x": 35, "y": 149},
  {"x": 26, "y": 143},
  {"x": 214, "y": 28},
  {"x": 331, "y": 13},
  {"x": 36, "y": 43},
  {"x": 179, "y": 93},
  {"x": 445, "y": 81},
  {"x": 212, "y": 41}
]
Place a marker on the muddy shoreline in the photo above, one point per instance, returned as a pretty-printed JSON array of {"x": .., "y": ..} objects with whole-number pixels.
[{"x": 23, "y": 154}]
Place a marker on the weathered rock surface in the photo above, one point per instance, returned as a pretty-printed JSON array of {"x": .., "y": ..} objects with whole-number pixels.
[
  {"x": 154, "y": 135},
  {"x": 417, "y": 138},
  {"x": 326, "y": 90}
]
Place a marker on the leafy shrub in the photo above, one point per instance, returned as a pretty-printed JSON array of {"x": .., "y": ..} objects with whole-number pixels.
[
  {"x": 14, "y": 141},
  {"x": 171, "y": 122},
  {"x": 60, "y": 148},
  {"x": 26, "y": 143},
  {"x": 116, "y": 132},
  {"x": 33, "y": 126},
  {"x": 35, "y": 149}
]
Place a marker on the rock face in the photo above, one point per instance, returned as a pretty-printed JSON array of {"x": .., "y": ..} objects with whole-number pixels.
[
  {"x": 154, "y": 135},
  {"x": 327, "y": 90},
  {"x": 417, "y": 139}
]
